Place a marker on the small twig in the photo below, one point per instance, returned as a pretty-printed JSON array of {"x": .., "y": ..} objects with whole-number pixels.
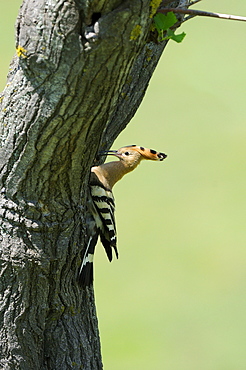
[
  {"x": 187, "y": 18},
  {"x": 202, "y": 13}
]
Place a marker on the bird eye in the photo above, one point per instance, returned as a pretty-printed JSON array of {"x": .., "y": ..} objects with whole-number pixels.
[{"x": 127, "y": 153}]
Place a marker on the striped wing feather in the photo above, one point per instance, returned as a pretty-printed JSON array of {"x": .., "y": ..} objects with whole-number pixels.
[{"x": 104, "y": 202}]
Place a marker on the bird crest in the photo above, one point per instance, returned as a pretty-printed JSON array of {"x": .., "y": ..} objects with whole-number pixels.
[{"x": 147, "y": 153}]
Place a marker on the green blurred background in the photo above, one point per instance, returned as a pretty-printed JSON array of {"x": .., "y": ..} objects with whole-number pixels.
[{"x": 176, "y": 298}]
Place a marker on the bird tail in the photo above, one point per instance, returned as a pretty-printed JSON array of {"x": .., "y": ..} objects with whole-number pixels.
[
  {"x": 85, "y": 277},
  {"x": 108, "y": 244}
]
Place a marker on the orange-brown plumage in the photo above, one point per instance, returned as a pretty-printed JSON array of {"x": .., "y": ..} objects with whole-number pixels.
[{"x": 129, "y": 158}]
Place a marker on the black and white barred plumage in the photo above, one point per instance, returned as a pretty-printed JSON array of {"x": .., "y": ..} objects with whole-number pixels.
[{"x": 100, "y": 222}]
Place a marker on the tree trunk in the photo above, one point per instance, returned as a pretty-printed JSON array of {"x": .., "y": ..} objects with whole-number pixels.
[{"x": 81, "y": 72}]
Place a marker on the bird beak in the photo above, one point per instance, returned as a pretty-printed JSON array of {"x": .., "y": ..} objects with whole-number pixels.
[{"x": 109, "y": 152}]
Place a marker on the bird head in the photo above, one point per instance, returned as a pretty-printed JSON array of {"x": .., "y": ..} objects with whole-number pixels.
[{"x": 131, "y": 155}]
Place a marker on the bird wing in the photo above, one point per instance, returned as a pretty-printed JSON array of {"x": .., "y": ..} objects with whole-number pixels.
[{"x": 103, "y": 200}]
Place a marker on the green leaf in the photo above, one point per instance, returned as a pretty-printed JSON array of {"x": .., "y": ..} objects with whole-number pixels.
[
  {"x": 178, "y": 38},
  {"x": 164, "y": 21}
]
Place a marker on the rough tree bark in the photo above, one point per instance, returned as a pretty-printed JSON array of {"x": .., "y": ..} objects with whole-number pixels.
[{"x": 81, "y": 72}]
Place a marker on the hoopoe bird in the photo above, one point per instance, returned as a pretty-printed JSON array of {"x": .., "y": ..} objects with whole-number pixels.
[{"x": 101, "y": 206}]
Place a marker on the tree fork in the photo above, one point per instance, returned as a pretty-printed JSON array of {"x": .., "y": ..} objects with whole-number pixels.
[{"x": 81, "y": 71}]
